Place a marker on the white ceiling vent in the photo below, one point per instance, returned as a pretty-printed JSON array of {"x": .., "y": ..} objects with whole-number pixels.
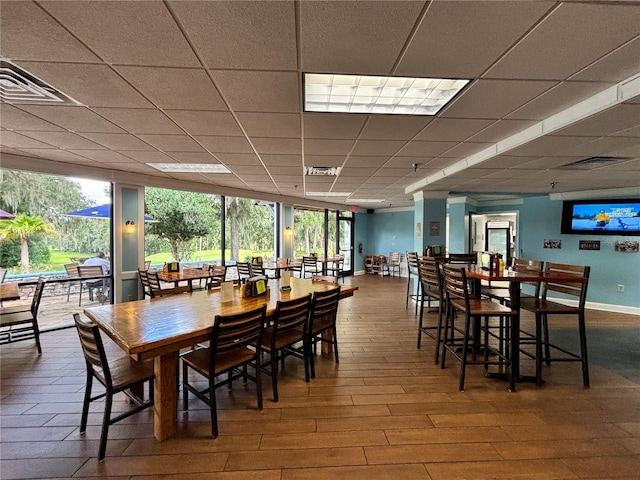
[
  {"x": 322, "y": 171},
  {"x": 18, "y": 86},
  {"x": 594, "y": 162}
]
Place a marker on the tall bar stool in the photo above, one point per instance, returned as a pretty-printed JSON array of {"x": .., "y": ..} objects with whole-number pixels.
[
  {"x": 412, "y": 268},
  {"x": 542, "y": 308},
  {"x": 429, "y": 273},
  {"x": 472, "y": 309}
]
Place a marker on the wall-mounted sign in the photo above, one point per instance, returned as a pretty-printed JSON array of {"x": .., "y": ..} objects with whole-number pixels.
[
  {"x": 589, "y": 245},
  {"x": 435, "y": 229},
  {"x": 626, "y": 246},
  {"x": 553, "y": 243}
]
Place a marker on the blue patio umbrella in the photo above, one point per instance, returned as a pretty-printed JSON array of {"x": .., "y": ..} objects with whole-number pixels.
[{"x": 99, "y": 211}]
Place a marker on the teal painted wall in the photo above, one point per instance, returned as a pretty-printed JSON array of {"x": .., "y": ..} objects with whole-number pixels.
[
  {"x": 458, "y": 228},
  {"x": 130, "y": 240},
  {"x": 539, "y": 220}
]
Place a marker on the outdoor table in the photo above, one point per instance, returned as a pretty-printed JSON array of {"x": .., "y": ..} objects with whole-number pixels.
[
  {"x": 280, "y": 265},
  {"x": 9, "y": 291},
  {"x": 159, "y": 328}
]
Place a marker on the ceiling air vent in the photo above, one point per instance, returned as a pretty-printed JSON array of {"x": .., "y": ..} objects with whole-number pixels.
[
  {"x": 18, "y": 86},
  {"x": 594, "y": 162},
  {"x": 322, "y": 171}
]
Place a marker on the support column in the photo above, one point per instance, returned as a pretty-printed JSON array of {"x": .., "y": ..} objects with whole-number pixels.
[{"x": 430, "y": 214}]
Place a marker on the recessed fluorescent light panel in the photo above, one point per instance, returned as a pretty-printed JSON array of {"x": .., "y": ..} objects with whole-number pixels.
[
  {"x": 363, "y": 200},
  {"x": 369, "y": 94},
  {"x": 190, "y": 167},
  {"x": 327, "y": 194}
]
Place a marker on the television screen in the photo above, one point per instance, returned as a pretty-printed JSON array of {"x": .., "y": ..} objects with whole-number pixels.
[{"x": 601, "y": 217}]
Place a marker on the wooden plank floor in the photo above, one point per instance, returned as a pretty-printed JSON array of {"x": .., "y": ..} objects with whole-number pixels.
[{"x": 385, "y": 412}]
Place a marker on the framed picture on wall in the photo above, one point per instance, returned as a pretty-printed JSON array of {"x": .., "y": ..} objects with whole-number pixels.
[
  {"x": 589, "y": 245},
  {"x": 627, "y": 246},
  {"x": 553, "y": 244},
  {"x": 418, "y": 229},
  {"x": 434, "y": 229}
]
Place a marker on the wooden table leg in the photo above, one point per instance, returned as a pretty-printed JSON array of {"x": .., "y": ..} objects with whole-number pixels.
[
  {"x": 327, "y": 345},
  {"x": 165, "y": 409}
]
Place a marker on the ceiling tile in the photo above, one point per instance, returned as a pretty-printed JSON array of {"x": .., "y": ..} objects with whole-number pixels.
[
  {"x": 355, "y": 161},
  {"x": 426, "y": 149},
  {"x": 44, "y": 39},
  {"x": 614, "y": 67},
  {"x": 248, "y": 91},
  {"x": 129, "y": 33},
  {"x": 225, "y": 144},
  {"x": 494, "y": 99},
  {"x": 463, "y": 150},
  {"x": 452, "y": 129},
  {"x": 324, "y": 160},
  {"x": 575, "y": 33},
  {"x": 327, "y": 147},
  {"x": 16, "y": 119},
  {"x": 332, "y": 125},
  {"x": 140, "y": 120},
  {"x": 91, "y": 85},
  {"x": 282, "y": 160},
  {"x": 285, "y": 125},
  {"x": 16, "y": 140},
  {"x": 148, "y": 157},
  {"x": 379, "y": 148},
  {"x": 66, "y": 140},
  {"x": 613, "y": 120},
  {"x": 194, "y": 157},
  {"x": 331, "y": 41},
  {"x": 394, "y": 127},
  {"x": 172, "y": 143},
  {"x": 459, "y": 39},
  {"x": 198, "y": 122},
  {"x": 118, "y": 141},
  {"x": 175, "y": 88},
  {"x": 238, "y": 158},
  {"x": 103, "y": 156},
  {"x": 60, "y": 156},
  {"x": 74, "y": 118},
  {"x": 241, "y": 35},
  {"x": 501, "y": 130},
  {"x": 559, "y": 98},
  {"x": 277, "y": 145}
]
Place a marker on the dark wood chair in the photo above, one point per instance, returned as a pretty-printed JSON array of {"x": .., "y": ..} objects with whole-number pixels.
[
  {"x": 543, "y": 307},
  {"x": 430, "y": 277},
  {"x": 244, "y": 271},
  {"x": 143, "y": 275},
  {"x": 335, "y": 267},
  {"x": 412, "y": 268},
  {"x": 218, "y": 275},
  {"x": 322, "y": 324},
  {"x": 473, "y": 310},
  {"x": 289, "y": 328},
  {"x": 309, "y": 266},
  {"x": 235, "y": 344},
  {"x": 503, "y": 295},
  {"x": 462, "y": 258},
  {"x": 324, "y": 279},
  {"x": 21, "y": 323},
  {"x": 156, "y": 290},
  {"x": 116, "y": 375}
]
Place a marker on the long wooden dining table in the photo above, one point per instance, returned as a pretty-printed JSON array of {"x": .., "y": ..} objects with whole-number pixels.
[
  {"x": 159, "y": 328},
  {"x": 515, "y": 279}
]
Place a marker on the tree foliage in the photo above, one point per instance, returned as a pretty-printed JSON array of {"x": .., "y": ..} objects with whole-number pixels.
[
  {"x": 23, "y": 228},
  {"x": 180, "y": 217}
]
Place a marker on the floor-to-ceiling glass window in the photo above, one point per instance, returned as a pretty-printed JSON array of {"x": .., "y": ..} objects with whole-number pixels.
[
  {"x": 185, "y": 226},
  {"x": 345, "y": 240},
  {"x": 249, "y": 229}
]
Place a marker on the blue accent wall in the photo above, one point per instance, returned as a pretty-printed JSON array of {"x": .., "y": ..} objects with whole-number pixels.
[
  {"x": 539, "y": 220},
  {"x": 384, "y": 232}
]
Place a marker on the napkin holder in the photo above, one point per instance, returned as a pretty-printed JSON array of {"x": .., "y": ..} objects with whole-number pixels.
[
  {"x": 171, "y": 267},
  {"x": 257, "y": 285}
]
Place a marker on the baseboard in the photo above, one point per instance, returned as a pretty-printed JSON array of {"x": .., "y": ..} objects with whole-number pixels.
[{"x": 605, "y": 307}]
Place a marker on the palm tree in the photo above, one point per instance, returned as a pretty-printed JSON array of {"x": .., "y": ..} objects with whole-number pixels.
[{"x": 23, "y": 227}]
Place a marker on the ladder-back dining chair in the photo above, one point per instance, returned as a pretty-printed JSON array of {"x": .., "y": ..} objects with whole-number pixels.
[
  {"x": 234, "y": 345},
  {"x": 115, "y": 375}
]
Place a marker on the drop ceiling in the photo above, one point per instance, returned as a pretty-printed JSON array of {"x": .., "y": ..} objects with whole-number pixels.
[{"x": 221, "y": 83}]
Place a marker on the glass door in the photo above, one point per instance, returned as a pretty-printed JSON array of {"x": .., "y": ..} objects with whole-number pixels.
[{"x": 345, "y": 241}]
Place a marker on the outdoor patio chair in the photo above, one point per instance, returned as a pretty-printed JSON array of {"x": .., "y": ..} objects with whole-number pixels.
[
  {"x": 72, "y": 272},
  {"x": 98, "y": 284}
]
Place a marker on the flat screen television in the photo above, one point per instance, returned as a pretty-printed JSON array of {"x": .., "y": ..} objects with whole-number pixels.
[{"x": 601, "y": 217}]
